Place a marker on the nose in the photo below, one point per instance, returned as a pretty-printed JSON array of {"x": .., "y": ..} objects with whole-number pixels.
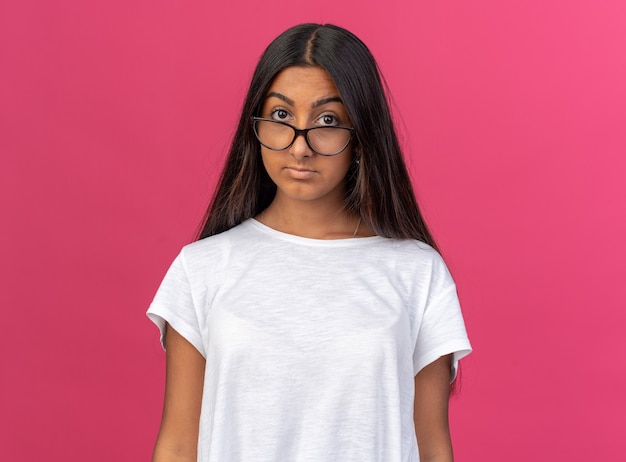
[{"x": 300, "y": 148}]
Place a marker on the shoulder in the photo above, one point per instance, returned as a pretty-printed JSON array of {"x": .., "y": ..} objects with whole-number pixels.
[
  {"x": 215, "y": 250},
  {"x": 417, "y": 252},
  {"x": 417, "y": 262},
  {"x": 414, "y": 248}
]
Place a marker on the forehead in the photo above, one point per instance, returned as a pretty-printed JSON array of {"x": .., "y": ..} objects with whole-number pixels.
[{"x": 304, "y": 83}]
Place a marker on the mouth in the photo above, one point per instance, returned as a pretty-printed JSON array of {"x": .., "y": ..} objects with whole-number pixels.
[{"x": 300, "y": 173}]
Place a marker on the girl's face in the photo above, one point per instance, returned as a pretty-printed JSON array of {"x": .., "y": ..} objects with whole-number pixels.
[{"x": 306, "y": 97}]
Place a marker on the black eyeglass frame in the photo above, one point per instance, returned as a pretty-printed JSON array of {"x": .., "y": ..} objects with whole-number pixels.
[{"x": 297, "y": 132}]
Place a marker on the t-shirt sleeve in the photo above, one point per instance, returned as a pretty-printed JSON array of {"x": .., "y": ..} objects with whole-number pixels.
[
  {"x": 442, "y": 328},
  {"x": 174, "y": 304}
]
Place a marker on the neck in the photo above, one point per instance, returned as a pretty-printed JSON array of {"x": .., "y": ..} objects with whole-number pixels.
[{"x": 310, "y": 219}]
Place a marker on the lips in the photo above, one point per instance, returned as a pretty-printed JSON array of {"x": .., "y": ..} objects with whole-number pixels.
[{"x": 300, "y": 173}]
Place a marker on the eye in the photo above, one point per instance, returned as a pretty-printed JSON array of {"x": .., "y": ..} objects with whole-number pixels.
[
  {"x": 328, "y": 119},
  {"x": 279, "y": 114}
]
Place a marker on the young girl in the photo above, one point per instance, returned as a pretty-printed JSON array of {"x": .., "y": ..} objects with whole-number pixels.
[{"x": 313, "y": 320}]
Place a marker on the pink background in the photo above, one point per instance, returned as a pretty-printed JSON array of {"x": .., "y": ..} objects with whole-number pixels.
[{"x": 114, "y": 119}]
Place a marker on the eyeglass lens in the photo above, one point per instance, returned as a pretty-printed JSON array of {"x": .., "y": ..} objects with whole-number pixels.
[{"x": 323, "y": 140}]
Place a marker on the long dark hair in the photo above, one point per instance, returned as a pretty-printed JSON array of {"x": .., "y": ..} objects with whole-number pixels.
[{"x": 378, "y": 188}]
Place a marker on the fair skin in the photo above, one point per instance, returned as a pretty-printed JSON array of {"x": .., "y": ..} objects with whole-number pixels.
[{"x": 308, "y": 203}]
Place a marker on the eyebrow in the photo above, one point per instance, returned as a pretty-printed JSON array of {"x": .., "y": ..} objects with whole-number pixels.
[
  {"x": 318, "y": 103},
  {"x": 332, "y": 99}
]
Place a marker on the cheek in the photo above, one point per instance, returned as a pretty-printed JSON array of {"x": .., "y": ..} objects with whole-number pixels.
[
  {"x": 271, "y": 163},
  {"x": 344, "y": 163},
  {"x": 266, "y": 159}
]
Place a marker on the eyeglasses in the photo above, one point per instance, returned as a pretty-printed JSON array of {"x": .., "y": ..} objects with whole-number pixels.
[{"x": 278, "y": 136}]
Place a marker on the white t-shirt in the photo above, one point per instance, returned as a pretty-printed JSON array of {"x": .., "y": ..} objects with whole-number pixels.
[{"x": 311, "y": 346}]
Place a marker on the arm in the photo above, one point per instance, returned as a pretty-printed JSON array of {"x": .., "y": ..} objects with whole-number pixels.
[
  {"x": 432, "y": 392},
  {"x": 178, "y": 435}
]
